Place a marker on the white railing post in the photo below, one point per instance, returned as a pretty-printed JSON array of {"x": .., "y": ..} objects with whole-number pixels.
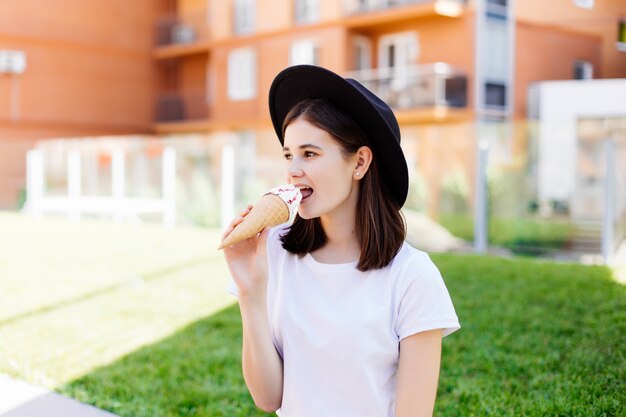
[
  {"x": 608, "y": 221},
  {"x": 169, "y": 187},
  {"x": 228, "y": 186},
  {"x": 118, "y": 186},
  {"x": 116, "y": 204},
  {"x": 74, "y": 183},
  {"x": 439, "y": 81},
  {"x": 480, "y": 205},
  {"x": 34, "y": 181}
]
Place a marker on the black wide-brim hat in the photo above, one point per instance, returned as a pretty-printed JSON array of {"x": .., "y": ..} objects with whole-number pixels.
[{"x": 374, "y": 116}]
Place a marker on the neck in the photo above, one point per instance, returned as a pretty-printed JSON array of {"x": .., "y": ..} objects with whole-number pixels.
[{"x": 340, "y": 232}]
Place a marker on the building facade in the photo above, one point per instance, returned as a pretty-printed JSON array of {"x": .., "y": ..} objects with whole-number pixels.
[{"x": 453, "y": 70}]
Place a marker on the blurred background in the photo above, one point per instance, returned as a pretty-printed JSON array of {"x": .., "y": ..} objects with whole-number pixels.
[
  {"x": 513, "y": 114},
  {"x": 131, "y": 132}
]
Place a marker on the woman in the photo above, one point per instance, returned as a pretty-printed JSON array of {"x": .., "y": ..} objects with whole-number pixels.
[{"x": 340, "y": 316}]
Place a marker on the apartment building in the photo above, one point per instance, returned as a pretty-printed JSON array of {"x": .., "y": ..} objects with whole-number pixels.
[
  {"x": 71, "y": 68},
  {"x": 450, "y": 68}
]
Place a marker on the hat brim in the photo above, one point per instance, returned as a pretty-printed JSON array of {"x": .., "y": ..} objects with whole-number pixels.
[{"x": 301, "y": 82}]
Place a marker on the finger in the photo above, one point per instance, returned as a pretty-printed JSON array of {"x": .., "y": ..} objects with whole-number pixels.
[
  {"x": 245, "y": 211},
  {"x": 232, "y": 226}
]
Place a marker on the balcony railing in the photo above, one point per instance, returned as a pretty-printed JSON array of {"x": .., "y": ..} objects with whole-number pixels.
[
  {"x": 416, "y": 86},
  {"x": 362, "y": 6},
  {"x": 182, "y": 29},
  {"x": 182, "y": 106}
]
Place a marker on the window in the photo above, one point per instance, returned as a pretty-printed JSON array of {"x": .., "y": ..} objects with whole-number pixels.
[
  {"x": 362, "y": 53},
  {"x": 456, "y": 91},
  {"x": 495, "y": 94},
  {"x": 496, "y": 51},
  {"x": 306, "y": 11},
  {"x": 242, "y": 74},
  {"x": 12, "y": 62},
  {"x": 304, "y": 52},
  {"x": 583, "y": 70},
  {"x": 585, "y": 4},
  {"x": 621, "y": 36},
  {"x": 244, "y": 16},
  {"x": 497, "y": 9},
  {"x": 398, "y": 50}
]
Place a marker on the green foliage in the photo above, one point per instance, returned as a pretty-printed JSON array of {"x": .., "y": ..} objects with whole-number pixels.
[
  {"x": 522, "y": 235},
  {"x": 454, "y": 194},
  {"x": 21, "y": 199},
  {"x": 253, "y": 189},
  {"x": 508, "y": 193},
  {"x": 417, "y": 198},
  {"x": 198, "y": 201}
]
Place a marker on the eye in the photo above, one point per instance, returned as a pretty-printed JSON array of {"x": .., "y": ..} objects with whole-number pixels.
[
  {"x": 309, "y": 154},
  {"x": 287, "y": 156}
]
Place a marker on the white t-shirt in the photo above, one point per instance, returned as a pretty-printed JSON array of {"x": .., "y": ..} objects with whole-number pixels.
[{"x": 338, "y": 329}]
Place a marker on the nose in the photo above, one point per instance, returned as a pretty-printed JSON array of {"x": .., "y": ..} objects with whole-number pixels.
[{"x": 294, "y": 169}]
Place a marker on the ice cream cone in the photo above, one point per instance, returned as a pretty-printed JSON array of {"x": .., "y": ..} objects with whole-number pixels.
[{"x": 270, "y": 211}]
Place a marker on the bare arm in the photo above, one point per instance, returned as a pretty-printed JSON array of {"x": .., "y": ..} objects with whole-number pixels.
[
  {"x": 262, "y": 365},
  {"x": 418, "y": 374}
]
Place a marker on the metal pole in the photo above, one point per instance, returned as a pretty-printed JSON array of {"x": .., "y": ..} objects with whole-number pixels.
[
  {"x": 608, "y": 221},
  {"x": 480, "y": 204}
]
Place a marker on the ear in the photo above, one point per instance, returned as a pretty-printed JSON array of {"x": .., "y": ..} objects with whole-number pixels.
[{"x": 362, "y": 160}]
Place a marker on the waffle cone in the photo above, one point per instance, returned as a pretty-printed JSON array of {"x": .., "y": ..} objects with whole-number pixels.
[{"x": 270, "y": 211}]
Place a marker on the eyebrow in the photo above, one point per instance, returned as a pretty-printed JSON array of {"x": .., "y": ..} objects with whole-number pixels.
[{"x": 306, "y": 145}]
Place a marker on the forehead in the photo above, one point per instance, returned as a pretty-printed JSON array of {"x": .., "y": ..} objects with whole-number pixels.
[{"x": 301, "y": 131}]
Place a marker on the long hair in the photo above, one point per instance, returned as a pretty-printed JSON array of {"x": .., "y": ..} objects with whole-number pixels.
[{"x": 380, "y": 228}]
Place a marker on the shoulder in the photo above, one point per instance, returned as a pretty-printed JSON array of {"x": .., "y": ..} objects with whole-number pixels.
[
  {"x": 274, "y": 244},
  {"x": 412, "y": 260},
  {"x": 412, "y": 266}
]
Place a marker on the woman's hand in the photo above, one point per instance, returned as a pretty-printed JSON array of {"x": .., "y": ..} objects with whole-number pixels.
[{"x": 247, "y": 260}]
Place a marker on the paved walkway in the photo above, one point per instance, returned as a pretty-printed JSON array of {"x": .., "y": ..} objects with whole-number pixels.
[{"x": 20, "y": 399}]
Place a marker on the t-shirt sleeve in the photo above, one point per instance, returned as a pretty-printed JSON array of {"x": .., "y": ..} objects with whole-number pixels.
[{"x": 425, "y": 303}]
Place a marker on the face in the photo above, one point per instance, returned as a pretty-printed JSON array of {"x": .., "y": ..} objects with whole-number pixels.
[{"x": 316, "y": 165}]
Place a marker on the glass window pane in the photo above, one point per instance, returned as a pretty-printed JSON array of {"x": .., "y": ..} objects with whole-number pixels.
[{"x": 495, "y": 94}]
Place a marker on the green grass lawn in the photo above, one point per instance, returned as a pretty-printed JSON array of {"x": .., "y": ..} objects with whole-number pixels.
[{"x": 135, "y": 320}]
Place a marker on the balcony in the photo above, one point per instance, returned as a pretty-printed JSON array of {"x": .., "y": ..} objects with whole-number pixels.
[
  {"x": 182, "y": 107},
  {"x": 416, "y": 86},
  {"x": 178, "y": 35},
  {"x": 414, "y": 8}
]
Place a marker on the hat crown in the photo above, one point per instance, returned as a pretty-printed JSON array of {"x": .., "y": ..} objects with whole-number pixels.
[{"x": 381, "y": 107}]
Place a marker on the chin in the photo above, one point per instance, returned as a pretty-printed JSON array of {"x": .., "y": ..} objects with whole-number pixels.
[{"x": 305, "y": 216}]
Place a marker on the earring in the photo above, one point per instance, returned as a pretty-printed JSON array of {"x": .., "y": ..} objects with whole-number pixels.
[{"x": 357, "y": 174}]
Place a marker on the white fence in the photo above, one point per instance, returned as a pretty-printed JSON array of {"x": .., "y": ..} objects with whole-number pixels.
[{"x": 118, "y": 205}]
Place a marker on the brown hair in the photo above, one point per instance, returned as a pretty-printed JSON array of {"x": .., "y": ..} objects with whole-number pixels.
[{"x": 380, "y": 227}]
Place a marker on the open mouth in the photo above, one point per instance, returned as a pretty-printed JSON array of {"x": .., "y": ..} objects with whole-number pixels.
[{"x": 306, "y": 193}]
